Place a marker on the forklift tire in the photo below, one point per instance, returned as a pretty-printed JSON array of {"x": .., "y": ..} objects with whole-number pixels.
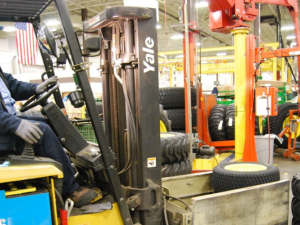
[
  {"x": 278, "y": 122},
  {"x": 296, "y": 208},
  {"x": 173, "y": 97},
  {"x": 174, "y": 147},
  {"x": 216, "y": 123},
  {"x": 230, "y": 122},
  {"x": 296, "y": 186},
  {"x": 165, "y": 123},
  {"x": 177, "y": 168},
  {"x": 229, "y": 176},
  {"x": 177, "y": 117}
]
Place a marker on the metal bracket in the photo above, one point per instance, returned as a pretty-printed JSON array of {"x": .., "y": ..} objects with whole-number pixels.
[
  {"x": 80, "y": 67},
  {"x": 143, "y": 199}
]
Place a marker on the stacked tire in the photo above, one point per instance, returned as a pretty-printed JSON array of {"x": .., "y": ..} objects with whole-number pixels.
[
  {"x": 172, "y": 99},
  {"x": 295, "y": 205},
  {"x": 174, "y": 154},
  {"x": 222, "y": 123}
]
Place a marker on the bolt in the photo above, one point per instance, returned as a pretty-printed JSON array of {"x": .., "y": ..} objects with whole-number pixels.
[
  {"x": 63, "y": 140},
  {"x": 111, "y": 167},
  {"x": 132, "y": 209},
  {"x": 127, "y": 220}
]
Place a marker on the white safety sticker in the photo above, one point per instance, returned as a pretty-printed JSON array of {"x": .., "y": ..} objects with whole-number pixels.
[
  {"x": 151, "y": 162},
  {"x": 230, "y": 122},
  {"x": 220, "y": 125}
]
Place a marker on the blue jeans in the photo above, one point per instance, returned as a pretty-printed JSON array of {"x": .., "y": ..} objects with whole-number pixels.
[{"x": 49, "y": 146}]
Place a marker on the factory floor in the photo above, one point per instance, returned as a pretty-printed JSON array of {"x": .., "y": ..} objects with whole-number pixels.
[{"x": 287, "y": 168}]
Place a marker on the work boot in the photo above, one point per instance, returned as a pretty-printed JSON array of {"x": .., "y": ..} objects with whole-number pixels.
[{"x": 82, "y": 196}]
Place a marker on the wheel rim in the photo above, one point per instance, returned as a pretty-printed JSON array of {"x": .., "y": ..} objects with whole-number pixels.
[
  {"x": 245, "y": 167},
  {"x": 162, "y": 126},
  {"x": 287, "y": 121}
]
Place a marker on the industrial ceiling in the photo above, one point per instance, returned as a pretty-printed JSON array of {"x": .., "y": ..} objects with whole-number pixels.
[{"x": 168, "y": 16}]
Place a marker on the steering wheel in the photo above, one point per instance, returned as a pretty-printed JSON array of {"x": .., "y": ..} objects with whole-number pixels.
[{"x": 38, "y": 99}]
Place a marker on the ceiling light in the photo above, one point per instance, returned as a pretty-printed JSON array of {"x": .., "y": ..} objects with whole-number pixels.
[
  {"x": 9, "y": 29},
  {"x": 201, "y": 4},
  {"x": 290, "y": 37},
  {"x": 221, "y": 54},
  {"x": 203, "y": 62},
  {"x": 291, "y": 27},
  {"x": 179, "y": 56},
  {"x": 176, "y": 36},
  {"x": 52, "y": 22},
  {"x": 53, "y": 29},
  {"x": 293, "y": 44},
  {"x": 198, "y": 44},
  {"x": 158, "y": 26}
]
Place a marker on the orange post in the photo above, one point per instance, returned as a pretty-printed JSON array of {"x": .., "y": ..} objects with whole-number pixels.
[{"x": 249, "y": 153}]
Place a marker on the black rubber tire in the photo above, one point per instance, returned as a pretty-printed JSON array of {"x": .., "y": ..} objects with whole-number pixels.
[
  {"x": 99, "y": 109},
  {"x": 296, "y": 186},
  {"x": 295, "y": 221},
  {"x": 177, "y": 117},
  {"x": 276, "y": 123},
  {"x": 230, "y": 122},
  {"x": 174, "y": 147},
  {"x": 217, "y": 116},
  {"x": 225, "y": 180},
  {"x": 296, "y": 208},
  {"x": 177, "y": 168},
  {"x": 163, "y": 116},
  {"x": 173, "y": 97}
]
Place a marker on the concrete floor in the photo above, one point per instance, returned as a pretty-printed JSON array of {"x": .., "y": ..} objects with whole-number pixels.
[{"x": 287, "y": 167}]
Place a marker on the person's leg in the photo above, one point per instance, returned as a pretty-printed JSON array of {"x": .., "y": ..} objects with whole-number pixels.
[{"x": 49, "y": 146}]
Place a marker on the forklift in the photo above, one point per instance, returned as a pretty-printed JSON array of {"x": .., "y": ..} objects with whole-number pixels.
[{"x": 129, "y": 146}]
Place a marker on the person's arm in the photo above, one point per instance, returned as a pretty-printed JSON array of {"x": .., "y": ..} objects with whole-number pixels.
[
  {"x": 20, "y": 90},
  {"x": 8, "y": 122}
]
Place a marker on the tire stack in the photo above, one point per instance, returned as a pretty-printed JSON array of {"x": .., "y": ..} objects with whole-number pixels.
[
  {"x": 296, "y": 199},
  {"x": 172, "y": 99},
  {"x": 222, "y": 123},
  {"x": 174, "y": 154}
]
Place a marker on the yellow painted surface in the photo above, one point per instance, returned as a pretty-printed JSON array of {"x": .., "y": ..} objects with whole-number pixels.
[
  {"x": 107, "y": 217},
  {"x": 26, "y": 172},
  {"x": 53, "y": 203},
  {"x": 206, "y": 164},
  {"x": 240, "y": 88},
  {"x": 20, "y": 191}
]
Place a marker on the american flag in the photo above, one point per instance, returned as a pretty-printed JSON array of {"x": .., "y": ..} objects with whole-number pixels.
[{"x": 26, "y": 43}]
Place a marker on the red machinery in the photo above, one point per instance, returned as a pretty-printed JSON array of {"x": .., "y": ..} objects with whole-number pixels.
[{"x": 229, "y": 14}]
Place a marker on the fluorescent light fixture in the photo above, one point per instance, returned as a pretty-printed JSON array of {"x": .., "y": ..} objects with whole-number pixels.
[
  {"x": 203, "y": 62},
  {"x": 52, "y": 22},
  {"x": 53, "y": 29},
  {"x": 9, "y": 29},
  {"x": 198, "y": 44},
  {"x": 201, "y": 4},
  {"x": 176, "y": 36},
  {"x": 290, "y": 37},
  {"x": 158, "y": 26},
  {"x": 291, "y": 27},
  {"x": 179, "y": 56},
  {"x": 221, "y": 54},
  {"x": 293, "y": 44}
]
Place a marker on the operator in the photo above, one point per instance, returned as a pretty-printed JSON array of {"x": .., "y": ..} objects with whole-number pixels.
[{"x": 15, "y": 131}]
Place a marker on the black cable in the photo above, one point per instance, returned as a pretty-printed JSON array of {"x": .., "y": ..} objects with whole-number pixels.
[
  {"x": 178, "y": 199},
  {"x": 282, "y": 44}
]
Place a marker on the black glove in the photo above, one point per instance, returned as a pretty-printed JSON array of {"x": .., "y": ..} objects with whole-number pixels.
[
  {"x": 41, "y": 88},
  {"x": 29, "y": 131}
]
